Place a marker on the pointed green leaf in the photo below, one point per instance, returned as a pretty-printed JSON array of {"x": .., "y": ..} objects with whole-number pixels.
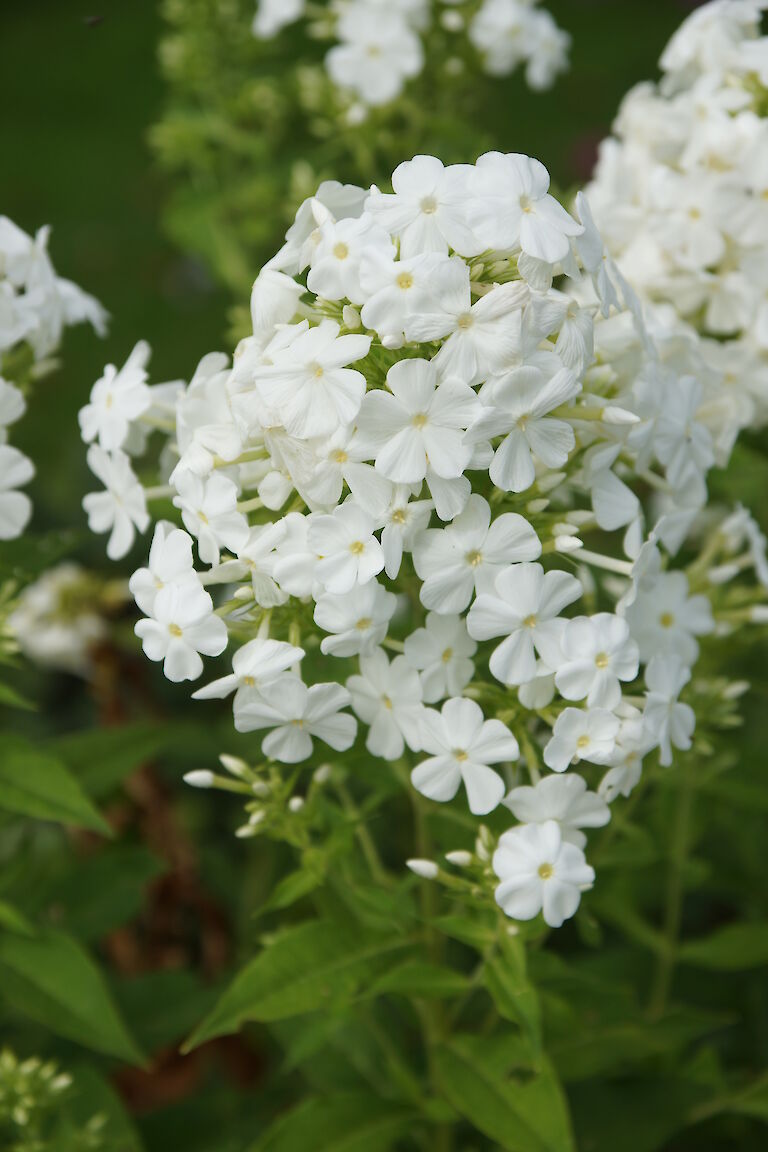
[
  {"x": 52, "y": 979},
  {"x": 734, "y": 948},
  {"x": 102, "y": 758},
  {"x": 519, "y": 1115},
  {"x": 342, "y": 1123},
  {"x": 300, "y": 970},
  {"x": 429, "y": 981},
  {"x": 512, "y": 992},
  {"x": 34, "y": 783}
]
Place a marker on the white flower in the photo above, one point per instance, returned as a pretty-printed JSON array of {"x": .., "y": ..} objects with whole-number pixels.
[
  {"x": 258, "y": 559},
  {"x": 581, "y": 734},
  {"x": 12, "y": 406},
  {"x": 170, "y": 562},
  {"x": 442, "y": 652},
  {"x": 626, "y": 760},
  {"x": 308, "y": 383},
  {"x": 182, "y": 626},
  {"x": 513, "y": 208},
  {"x": 664, "y": 617},
  {"x": 463, "y": 744},
  {"x": 257, "y": 663},
  {"x": 209, "y": 511},
  {"x": 670, "y": 723},
  {"x": 122, "y": 508},
  {"x": 539, "y": 871},
  {"x": 465, "y": 557},
  {"x": 356, "y": 621},
  {"x": 404, "y": 521},
  {"x": 296, "y": 714},
  {"x": 517, "y": 407},
  {"x": 427, "y": 208},
  {"x": 597, "y": 653},
  {"x": 524, "y": 606},
  {"x": 418, "y": 420},
  {"x": 397, "y": 290},
  {"x": 561, "y": 798},
  {"x": 348, "y": 552},
  {"x": 483, "y": 338},
  {"x": 387, "y": 697},
  {"x": 118, "y": 397},
  {"x": 335, "y": 270},
  {"x": 15, "y": 507},
  {"x": 377, "y": 53},
  {"x": 274, "y": 15}
]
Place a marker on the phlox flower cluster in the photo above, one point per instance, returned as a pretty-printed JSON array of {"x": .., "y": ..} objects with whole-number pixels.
[
  {"x": 35, "y": 307},
  {"x": 681, "y": 194},
  {"x": 426, "y": 474},
  {"x": 379, "y": 45}
]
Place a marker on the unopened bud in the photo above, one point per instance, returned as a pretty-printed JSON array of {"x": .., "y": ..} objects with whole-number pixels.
[
  {"x": 199, "y": 779},
  {"x": 392, "y": 342},
  {"x": 759, "y": 614},
  {"x": 350, "y": 316},
  {"x": 568, "y": 544},
  {"x": 536, "y": 506},
  {"x": 459, "y": 858},
  {"x": 234, "y": 765},
  {"x": 296, "y": 803},
  {"x": 427, "y": 869},
  {"x": 322, "y": 774},
  {"x": 614, "y": 415}
]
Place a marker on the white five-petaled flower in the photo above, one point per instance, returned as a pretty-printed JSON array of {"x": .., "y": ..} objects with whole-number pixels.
[
  {"x": 565, "y": 799},
  {"x": 170, "y": 562},
  {"x": 376, "y": 54},
  {"x": 540, "y": 872},
  {"x": 387, "y": 697},
  {"x": 122, "y": 508},
  {"x": 15, "y": 507},
  {"x": 664, "y": 617},
  {"x": 524, "y": 607},
  {"x": 456, "y": 561},
  {"x": 308, "y": 383},
  {"x": 463, "y": 745},
  {"x": 257, "y": 663},
  {"x": 427, "y": 208},
  {"x": 442, "y": 651},
  {"x": 182, "y": 626},
  {"x": 118, "y": 397},
  {"x": 419, "y": 423},
  {"x": 357, "y": 621},
  {"x": 518, "y": 404},
  {"x": 581, "y": 734},
  {"x": 209, "y": 511},
  {"x": 598, "y": 653},
  {"x": 296, "y": 714},
  {"x": 348, "y": 552},
  {"x": 669, "y": 722}
]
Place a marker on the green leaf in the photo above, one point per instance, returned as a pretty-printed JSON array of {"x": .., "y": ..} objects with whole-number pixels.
[
  {"x": 342, "y": 1123},
  {"x": 468, "y": 930},
  {"x": 301, "y": 969},
  {"x": 512, "y": 992},
  {"x": 52, "y": 979},
  {"x": 102, "y": 758},
  {"x": 291, "y": 889},
  {"x": 412, "y": 978},
  {"x": 14, "y": 920},
  {"x": 95, "y": 1096},
  {"x": 734, "y": 948},
  {"x": 34, "y": 783},
  {"x": 519, "y": 1115}
]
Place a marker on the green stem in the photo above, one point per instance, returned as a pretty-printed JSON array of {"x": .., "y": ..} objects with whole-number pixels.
[
  {"x": 665, "y": 967},
  {"x": 366, "y": 841}
]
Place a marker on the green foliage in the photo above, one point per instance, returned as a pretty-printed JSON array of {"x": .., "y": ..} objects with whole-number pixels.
[{"x": 33, "y": 783}]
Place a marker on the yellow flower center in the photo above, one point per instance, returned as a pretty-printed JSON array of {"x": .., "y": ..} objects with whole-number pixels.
[
  {"x": 447, "y": 656},
  {"x": 175, "y": 630},
  {"x": 531, "y": 621},
  {"x": 357, "y": 547},
  {"x": 341, "y": 251},
  {"x": 582, "y": 742},
  {"x": 474, "y": 559},
  {"x": 546, "y": 871},
  {"x": 387, "y": 702},
  {"x": 460, "y": 755},
  {"x": 429, "y": 205},
  {"x": 466, "y": 321},
  {"x": 666, "y": 619},
  {"x": 363, "y": 623},
  {"x": 405, "y": 281},
  {"x": 602, "y": 660},
  {"x": 419, "y": 420},
  {"x": 398, "y": 516},
  {"x": 249, "y": 681}
]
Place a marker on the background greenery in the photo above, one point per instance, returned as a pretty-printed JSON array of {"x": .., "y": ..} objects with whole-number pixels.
[{"x": 80, "y": 89}]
